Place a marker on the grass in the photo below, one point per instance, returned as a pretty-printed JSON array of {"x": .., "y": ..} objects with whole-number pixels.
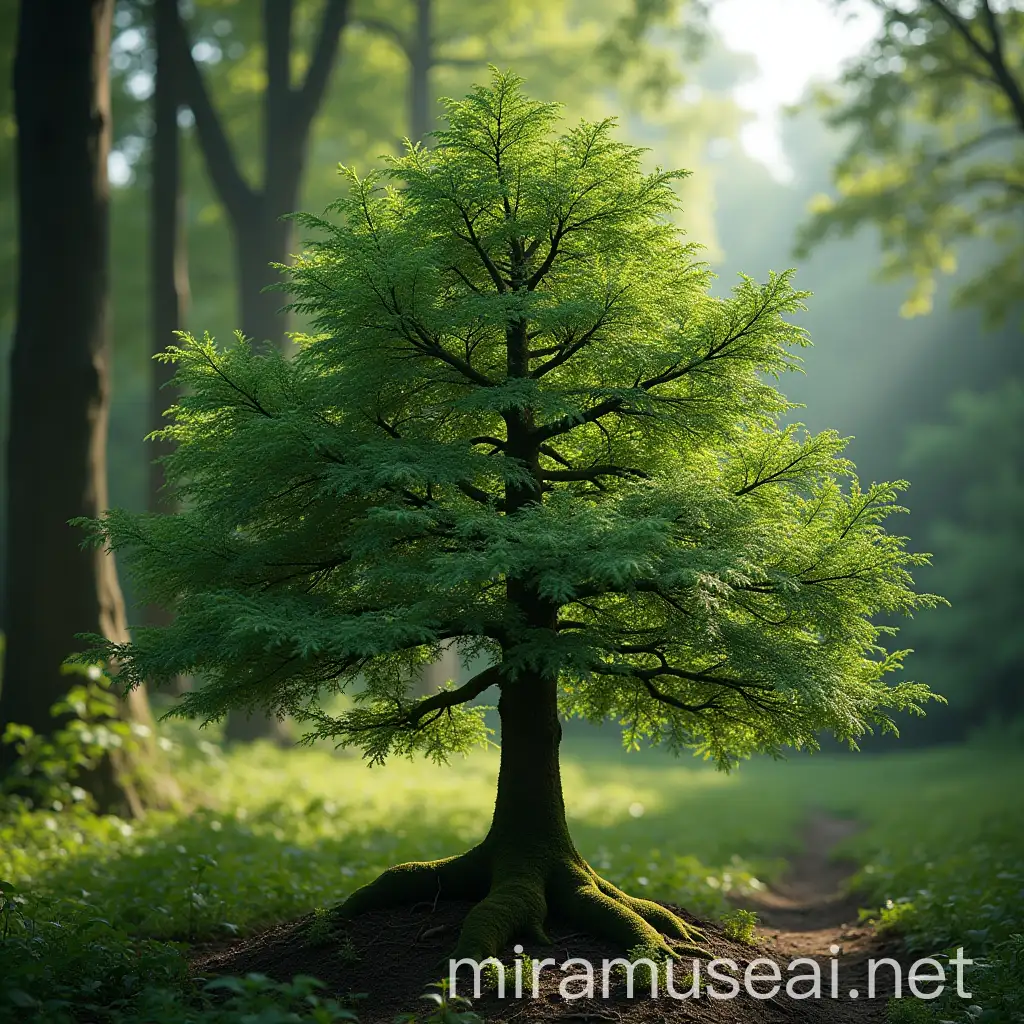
[{"x": 277, "y": 834}]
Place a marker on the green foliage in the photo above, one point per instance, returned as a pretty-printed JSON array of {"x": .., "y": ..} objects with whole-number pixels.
[
  {"x": 65, "y": 961},
  {"x": 444, "y": 1008},
  {"x": 977, "y": 654},
  {"x": 946, "y": 869},
  {"x": 519, "y": 379},
  {"x": 292, "y": 831},
  {"x": 741, "y": 926},
  {"x": 47, "y": 767},
  {"x": 935, "y": 153}
]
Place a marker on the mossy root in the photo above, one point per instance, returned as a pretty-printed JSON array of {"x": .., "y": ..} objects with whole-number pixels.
[
  {"x": 517, "y": 904},
  {"x": 464, "y": 877}
]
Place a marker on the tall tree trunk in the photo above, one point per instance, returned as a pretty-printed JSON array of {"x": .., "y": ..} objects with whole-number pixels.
[
  {"x": 168, "y": 255},
  {"x": 529, "y": 808},
  {"x": 60, "y": 370},
  {"x": 421, "y": 59},
  {"x": 169, "y": 287},
  {"x": 261, "y": 242}
]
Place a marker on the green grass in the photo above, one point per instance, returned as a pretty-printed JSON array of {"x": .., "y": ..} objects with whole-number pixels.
[{"x": 279, "y": 834}]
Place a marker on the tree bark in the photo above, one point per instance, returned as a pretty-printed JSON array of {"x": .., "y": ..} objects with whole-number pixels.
[
  {"x": 169, "y": 285},
  {"x": 168, "y": 254},
  {"x": 421, "y": 60},
  {"x": 529, "y": 806},
  {"x": 261, "y": 242},
  {"x": 60, "y": 390}
]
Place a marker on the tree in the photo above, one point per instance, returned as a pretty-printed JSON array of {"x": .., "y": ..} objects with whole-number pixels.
[
  {"x": 261, "y": 236},
  {"x": 522, "y": 426},
  {"x": 60, "y": 391},
  {"x": 431, "y": 35},
  {"x": 935, "y": 112}
]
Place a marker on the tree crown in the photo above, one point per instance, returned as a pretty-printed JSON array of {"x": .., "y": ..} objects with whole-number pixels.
[{"x": 525, "y": 427}]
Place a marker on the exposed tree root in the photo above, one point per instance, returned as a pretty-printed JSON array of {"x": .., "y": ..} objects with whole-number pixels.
[{"x": 516, "y": 895}]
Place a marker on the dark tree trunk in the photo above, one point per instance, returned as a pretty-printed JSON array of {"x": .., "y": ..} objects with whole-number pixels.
[
  {"x": 168, "y": 255},
  {"x": 529, "y": 807},
  {"x": 169, "y": 287},
  {"x": 60, "y": 369},
  {"x": 421, "y": 59},
  {"x": 260, "y": 243}
]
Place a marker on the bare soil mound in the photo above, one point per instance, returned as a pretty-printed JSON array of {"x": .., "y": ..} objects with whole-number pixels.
[{"x": 391, "y": 956}]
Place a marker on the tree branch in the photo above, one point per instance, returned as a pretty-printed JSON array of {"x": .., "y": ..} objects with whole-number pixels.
[
  {"x": 308, "y": 97},
  {"x": 445, "y": 699},
  {"x": 385, "y": 28},
  {"x": 994, "y": 57},
  {"x": 592, "y": 473},
  {"x": 235, "y": 193},
  {"x": 674, "y": 702}
]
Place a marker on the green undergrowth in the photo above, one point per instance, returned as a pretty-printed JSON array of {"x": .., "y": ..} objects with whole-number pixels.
[{"x": 99, "y": 911}]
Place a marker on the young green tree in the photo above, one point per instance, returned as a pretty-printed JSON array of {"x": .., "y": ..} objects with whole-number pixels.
[{"x": 523, "y": 426}]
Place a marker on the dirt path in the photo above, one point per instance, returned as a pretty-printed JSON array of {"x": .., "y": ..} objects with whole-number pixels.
[{"x": 809, "y": 913}]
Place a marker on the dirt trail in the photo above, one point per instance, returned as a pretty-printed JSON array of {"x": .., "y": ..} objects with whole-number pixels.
[{"x": 809, "y": 913}]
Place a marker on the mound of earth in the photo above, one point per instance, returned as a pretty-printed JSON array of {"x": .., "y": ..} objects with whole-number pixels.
[{"x": 390, "y": 957}]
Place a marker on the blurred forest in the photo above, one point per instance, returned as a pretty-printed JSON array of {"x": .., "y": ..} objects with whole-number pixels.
[{"x": 925, "y": 386}]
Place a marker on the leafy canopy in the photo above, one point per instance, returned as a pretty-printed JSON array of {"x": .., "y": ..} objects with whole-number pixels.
[
  {"x": 518, "y": 384},
  {"x": 935, "y": 158}
]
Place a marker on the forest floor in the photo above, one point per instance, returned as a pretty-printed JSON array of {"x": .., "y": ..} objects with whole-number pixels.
[
  {"x": 810, "y": 913},
  {"x": 118, "y": 919}
]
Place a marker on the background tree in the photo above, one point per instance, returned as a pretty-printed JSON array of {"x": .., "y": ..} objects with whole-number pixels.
[
  {"x": 934, "y": 116},
  {"x": 977, "y": 654},
  {"x": 59, "y": 371},
  {"x": 935, "y": 157},
  {"x": 8, "y": 253},
  {"x": 261, "y": 237},
  {"x": 431, "y": 34},
  {"x": 524, "y": 426},
  {"x": 168, "y": 256}
]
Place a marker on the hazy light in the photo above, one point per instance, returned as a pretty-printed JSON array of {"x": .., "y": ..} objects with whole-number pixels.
[
  {"x": 140, "y": 85},
  {"x": 794, "y": 43},
  {"x": 206, "y": 52},
  {"x": 119, "y": 170}
]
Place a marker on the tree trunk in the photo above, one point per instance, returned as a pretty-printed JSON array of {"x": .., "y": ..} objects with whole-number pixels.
[
  {"x": 169, "y": 287},
  {"x": 527, "y": 870},
  {"x": 261, "y": 242},
  {"x": 168, "y": 255},
  {"x": 529, "y": 808},
  {"x": 60, "y": 370},
  {"x": 420, "y": 61}
]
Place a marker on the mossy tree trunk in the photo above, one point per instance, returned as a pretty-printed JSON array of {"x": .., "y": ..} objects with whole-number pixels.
[{"x": 527, "y": 871}]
